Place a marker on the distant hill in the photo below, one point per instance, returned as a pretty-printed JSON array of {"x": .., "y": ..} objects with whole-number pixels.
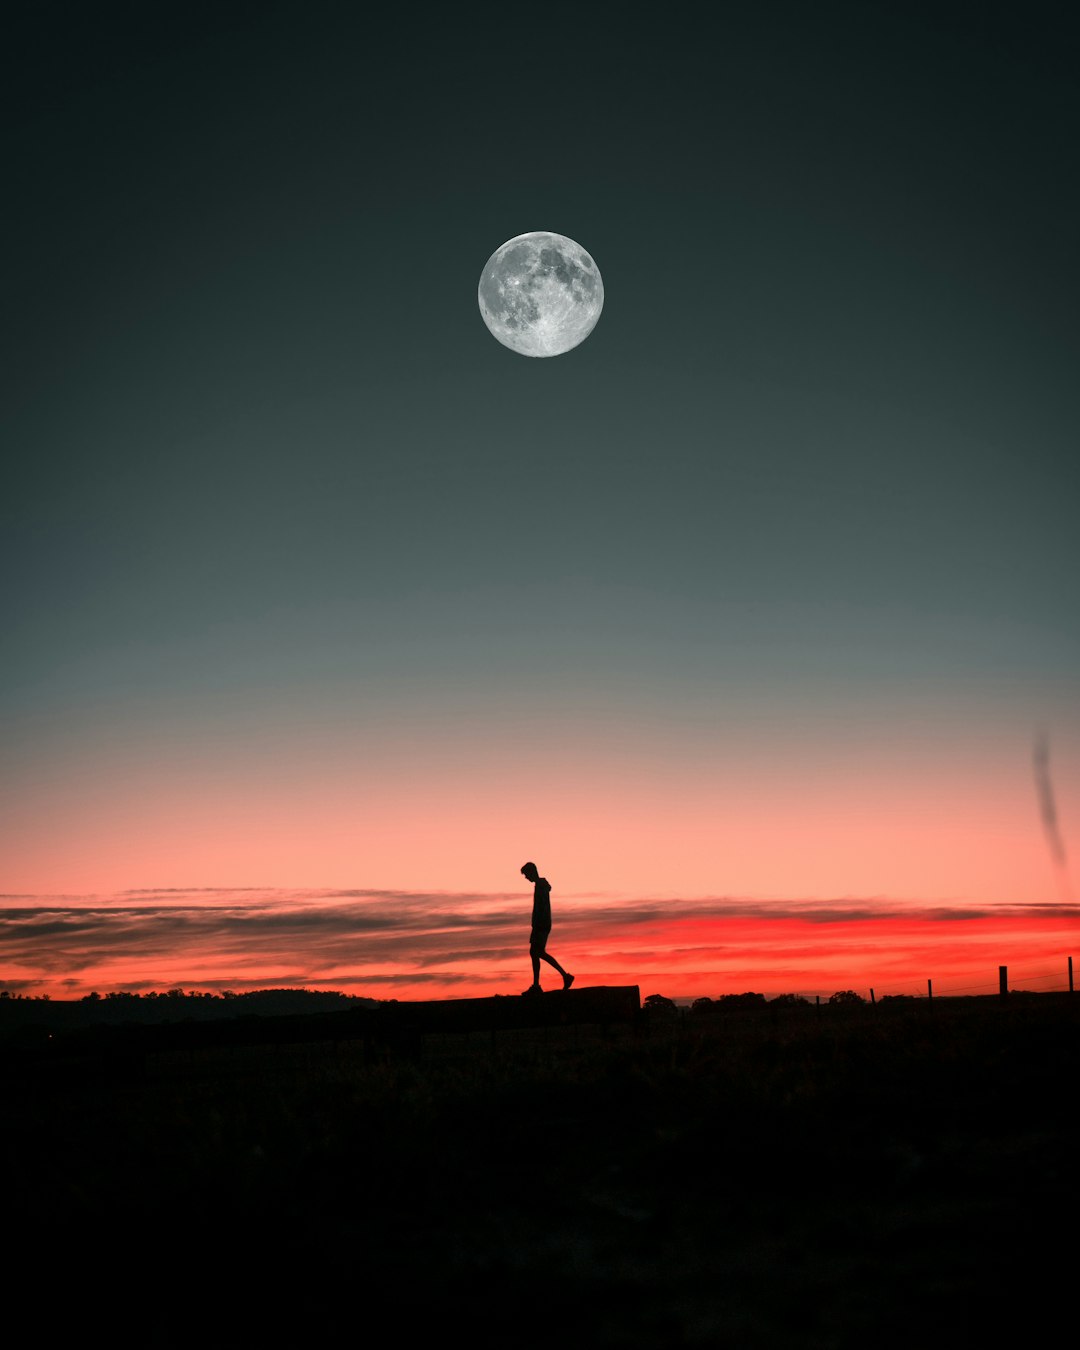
[{"x": 174, "y": 1006}]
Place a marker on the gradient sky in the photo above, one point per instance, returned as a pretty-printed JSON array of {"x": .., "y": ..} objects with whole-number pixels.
[{"x": 324, "y": 611}]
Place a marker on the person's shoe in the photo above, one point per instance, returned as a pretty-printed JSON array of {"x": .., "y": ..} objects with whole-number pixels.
[
  {"x": 567, "y": 981},
  {"x": 532, "y": 989}
]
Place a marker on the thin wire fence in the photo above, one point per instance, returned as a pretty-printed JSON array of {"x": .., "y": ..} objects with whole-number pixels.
[{"x": 1035, "y": 979}]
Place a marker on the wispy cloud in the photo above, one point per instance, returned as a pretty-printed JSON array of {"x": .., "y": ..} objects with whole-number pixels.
[
  {"x": 355, "y": 938},
  {"x": 1044, "y": 789}
]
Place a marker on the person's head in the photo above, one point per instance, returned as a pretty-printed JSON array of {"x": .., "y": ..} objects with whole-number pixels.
[{"x": 530, "y": 873}]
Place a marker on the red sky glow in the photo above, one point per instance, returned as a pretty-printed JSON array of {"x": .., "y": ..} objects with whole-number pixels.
[{"x": 417, "y": 945}]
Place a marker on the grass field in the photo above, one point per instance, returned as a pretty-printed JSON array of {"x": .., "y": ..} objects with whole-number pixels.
[{"x": 799, "y": 1177}]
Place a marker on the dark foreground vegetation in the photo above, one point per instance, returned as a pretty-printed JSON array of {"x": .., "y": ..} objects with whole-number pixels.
[{"x": 777, "y": 1175}]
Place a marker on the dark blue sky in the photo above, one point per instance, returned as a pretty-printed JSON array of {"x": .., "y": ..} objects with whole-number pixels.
[{"x": 267, "y": 469}]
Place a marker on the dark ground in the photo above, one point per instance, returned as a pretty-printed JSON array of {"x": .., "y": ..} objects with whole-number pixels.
[{"x": 797, "y": 1177}]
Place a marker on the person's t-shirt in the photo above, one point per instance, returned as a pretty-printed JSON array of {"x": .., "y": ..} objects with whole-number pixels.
[{"x": 541, "y": 915}]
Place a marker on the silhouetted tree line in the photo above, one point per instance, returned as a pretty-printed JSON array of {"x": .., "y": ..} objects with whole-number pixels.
[
  {"x": 296, "y": 999},
  {"x": 705, "y": 1007},
  {"x": 657, "y": 1006},
  {"x": 171, "y": 1005}
]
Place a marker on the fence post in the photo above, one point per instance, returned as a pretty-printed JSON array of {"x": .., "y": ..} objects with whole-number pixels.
[
  {"x": 1003, "y": 982},
  {"x": 1070, "y": 975},
  {"x": 872, "y": 998},
  {"x": 930, "y": 990}
]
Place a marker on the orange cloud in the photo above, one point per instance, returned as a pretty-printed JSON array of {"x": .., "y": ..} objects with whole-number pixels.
[{"x": 441, "y": 944}]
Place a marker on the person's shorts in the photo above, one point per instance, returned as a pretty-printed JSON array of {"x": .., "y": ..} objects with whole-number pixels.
[{"x": 538, "y": 941}]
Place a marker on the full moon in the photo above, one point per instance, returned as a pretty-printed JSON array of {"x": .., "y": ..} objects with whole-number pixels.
[{"x": 540, "y": 294}]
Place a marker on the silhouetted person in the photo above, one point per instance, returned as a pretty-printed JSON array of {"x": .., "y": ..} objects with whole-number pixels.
[{"x": 541, "y": 929}]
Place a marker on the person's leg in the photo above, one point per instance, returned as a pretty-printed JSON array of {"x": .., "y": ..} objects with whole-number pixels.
[
  {"x": 567, "y": 980},
  {"x": 536, "y": 950}
]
